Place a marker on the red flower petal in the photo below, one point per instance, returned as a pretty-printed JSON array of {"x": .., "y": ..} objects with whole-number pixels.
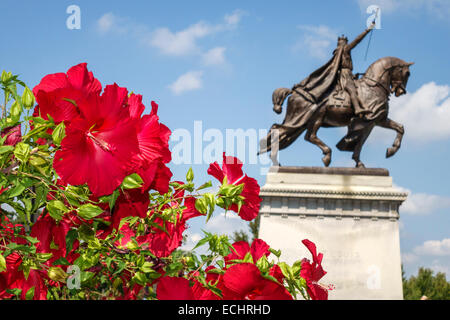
[
  {"x": 258, "y": 249},
  {"x": 241, "y": 279},
  {"x": 172, "y": 288},
  {"x": 241, "y": 248},
  {"x": 14, "y": 135}
]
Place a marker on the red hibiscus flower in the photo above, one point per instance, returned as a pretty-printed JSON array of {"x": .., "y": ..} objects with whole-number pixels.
[
  {"x": 313, "y": 272},
  {"x": 258, "y": 249},
  {"x": 100, "y": 144},
  {"x": 153, "y": 140},
  {"x": 243, "y": 281},
  {"x": 13, "y": 278},
  {"x": 276, "y": 272},
  {"x": 175, "y": 288},
  {"x": 133, "y": 202},
  {"x": 52, "y": 238},
  {"x": 59, "y": 94},
  {"x": 232, "y": 170},
  {"x": 13, "y": 135},
  {"x": 162, "y": 243}
]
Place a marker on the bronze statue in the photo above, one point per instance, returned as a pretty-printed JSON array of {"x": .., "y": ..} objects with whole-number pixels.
[{"x": 333, "y": 97}]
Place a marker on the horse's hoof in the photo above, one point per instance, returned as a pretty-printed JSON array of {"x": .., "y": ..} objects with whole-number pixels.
[
  {"x": 360, "y": 165},
  {"x": 390, "y": 152},
  {"x": 327, "y": 159}
]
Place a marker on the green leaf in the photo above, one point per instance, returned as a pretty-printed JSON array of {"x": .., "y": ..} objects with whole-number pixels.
[
  {"x": 42, "y": 257},
  {"x": 201, "y": 243},
  {"x": 269, "y": 277},
  {"x": 277, "y": 253},
  {"x": 2, "y": 263},
  {"x": 71, "y": 235},
  {"x": 263, "y": 264},
  {"x": 132, "y": 181},
  {"x": 286, "y": 270},
  {"x": 248, "y": 258},
  {"x": 30, "y": 294},
  {"x": 86, "y": 233},
  {"x": 205, "y": 185},
  {"x": 131, "y": 220},
  {"x": 22, "y": 152},
  {"x": 110, "y": 199},
  {"x": 16, "y": 191},
  {"x": 147, "y": 267},
  {"x": 296, "y": 267},
  {"x": 57, "y": 209},
  {"x": 71, "y": 101},
  {"x": 140, "y": 278},
  {"x": 6, "y": 149},
  {"x": 89, "y": 211},
  {"x": 210, "y": 201}
]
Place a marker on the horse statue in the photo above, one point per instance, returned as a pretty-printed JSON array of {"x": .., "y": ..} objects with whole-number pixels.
[{"x": 334, "y": 109}]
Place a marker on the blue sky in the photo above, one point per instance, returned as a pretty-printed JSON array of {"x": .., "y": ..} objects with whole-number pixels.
[{"x": 219, "y": 62}]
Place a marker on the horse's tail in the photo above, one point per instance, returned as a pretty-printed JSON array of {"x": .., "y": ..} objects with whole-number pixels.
[{"x": 278, "y": 97}]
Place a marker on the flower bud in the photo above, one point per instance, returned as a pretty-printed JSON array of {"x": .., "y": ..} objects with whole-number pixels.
[
  {"x": 28, "y": 98},
  {"x": 57, "y": 274},
  {"x": 6, "y": 76}
]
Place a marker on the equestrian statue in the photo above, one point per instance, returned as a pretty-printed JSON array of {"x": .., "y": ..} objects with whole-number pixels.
[{"x": 332, "y": 96}]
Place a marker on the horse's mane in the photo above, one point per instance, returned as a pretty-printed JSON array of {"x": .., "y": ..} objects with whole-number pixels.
[{"x": 376, "y": 69}]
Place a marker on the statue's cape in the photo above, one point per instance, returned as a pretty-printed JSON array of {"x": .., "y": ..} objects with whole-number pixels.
[
  {"x": 319, "y": 84},
  {"x": 323, "y": 80}
]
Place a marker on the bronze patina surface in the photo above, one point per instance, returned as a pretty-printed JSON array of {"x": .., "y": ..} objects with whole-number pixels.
[{"x": 332, "y": 96}]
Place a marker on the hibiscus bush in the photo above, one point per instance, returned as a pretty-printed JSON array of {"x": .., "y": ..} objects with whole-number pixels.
[{"x": 89, "y": 209}]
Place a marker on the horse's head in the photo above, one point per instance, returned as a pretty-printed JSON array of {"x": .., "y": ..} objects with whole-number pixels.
[
  {"x": 399, "y": 78},
  {"x": 391, "y": 73}
]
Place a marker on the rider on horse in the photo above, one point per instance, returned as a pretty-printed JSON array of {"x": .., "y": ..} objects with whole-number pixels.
[{"x": 337, "y": 70}]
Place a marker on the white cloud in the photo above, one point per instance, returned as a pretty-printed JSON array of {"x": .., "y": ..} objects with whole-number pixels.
[
  {"x": 317, "y": 40},
  {"x": 105, "y": 22},
  {"x": 192, "y": 240},
  {"x": 185, "y": 41},
  {"x": 425, "y": 114},
  {"x": 176, "y": 43},
  {"x": 422, "y": 203},
  {"x": 182, "y": 42},
  {"x": 189, "y": 81},
  {"x": 438, "y": 266},
  {"x": 110, "y": 22},
  {"x": 220, "y": 224},
  {"x": 215, "y": 56},
  {"x": 434, "y": 248},
  {"x": 232, "y": 20},
  {"x": 226, "y": 224},
  {"x": 408, "y": 258}
]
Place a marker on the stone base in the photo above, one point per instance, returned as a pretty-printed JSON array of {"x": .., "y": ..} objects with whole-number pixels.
[{"x": 352, "y": 216}]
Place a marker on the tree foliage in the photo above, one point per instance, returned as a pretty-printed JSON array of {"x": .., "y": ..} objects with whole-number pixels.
[{"x": 426, "y": 284}]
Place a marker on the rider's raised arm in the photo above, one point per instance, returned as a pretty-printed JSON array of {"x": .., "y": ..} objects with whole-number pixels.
[{"x": 359, "y": 38}]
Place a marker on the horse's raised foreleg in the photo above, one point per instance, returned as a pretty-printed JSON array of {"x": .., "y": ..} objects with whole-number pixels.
[
  {"x": 311, "y": 136},
  {"x": 391, "y": 124}
]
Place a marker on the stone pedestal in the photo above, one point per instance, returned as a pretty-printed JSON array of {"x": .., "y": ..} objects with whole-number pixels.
[{"x": 352, "y": 216}]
